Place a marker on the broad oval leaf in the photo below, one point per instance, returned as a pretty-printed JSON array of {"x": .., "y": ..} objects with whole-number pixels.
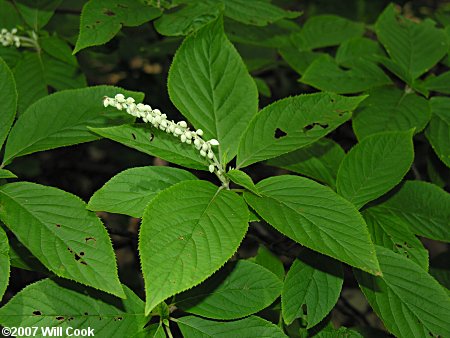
[
  {"x": 155, "y": 142},
  {"x": 188, "y": 232},
  {"x": 58, "y": 230},
  {"x": 440, "y": 83},
  {"x": 292, "y": 123},
  {"x": 130, "y": 191},
  {"x": 311, "y": 288},
  {"x": 414, "y": 47},
  {"x": 239, "y": 289},
  {"x": 327, "y": 30},
  {"x": 251, "y": 327},
  {"x": 438, "y": 131},
  {"x": 325, "y": 74},
  {"x": 319, "y": 161},
  {"x": 210, "y": 85},
  {"x": 101, "y": 20},
  {"x": 36, "y": 13},
  {"x": 270, "y": 261},
  {"x": 410, "y": 302},
  {"x": 316, "y": 217},
  {"x": 58, "y": 304},
  {"x": 386, "y": 229},
  {"x": 390, "y": 109},
  {"x": 424, "y": 207},
  {"x": 8, "y": 100},
  {"x": 241, "y": 178},
  {"x": 5, "y": 265},
  {"x": 189, "y": 18},
  {"x": 7, "y": 174},
  {"x": 374, "y": 166},
  {"x": 258, "y": 13},
  {"x": 61, "y": 119},
  {"x": 354, "y": 49}
]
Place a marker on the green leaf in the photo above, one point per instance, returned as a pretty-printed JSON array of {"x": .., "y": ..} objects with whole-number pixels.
[
  {"x": 391, "y": 232},
  {"x": 56, "y": 227},
  {"x": 316, "y": 217},
  {"x": 374, "y": 166},
  {"x": 410, "y": 302},
  {"x": 263, "y": 88},
  {"x": 101, "y": 20},
  {"x": 413, "y": 47},
  {"x": 155, "y": 142},
  {"x": 4, "y": 262},
  {"x": 276, "y": 35},
  {"x": 390, "y": 109},
  {"x": 20, "y": 257},
  {"x": 327, "y": 30},
  {"x": 8, "y": 100},
  {"x": 270, "y": 261},
  {"x": 7, "y": 174},
  {"x": 292, "y": 123},
  {"x": 241, "y": 178},
  {"x": 239, "y": 289},
  {"x": 152, "y": 331},
  {"x": 30, "y": 80},
  {"x": 422, "y": 206},
  {"x": 212, "y": 88},
  {"x": 311, "y": 289},
  {"x": 188, "y": 232},
  {"x": 440, "y": 83},
  {"x": 358, "y": 48},
  {"x": 58, "y": 48},
  {"x": 195, "y": 327},
  {"x": 342, "y": 332},
  {"x": 438, "y": 131},
  {"x": 325, "y": 74},
  {"x": 61, "y": 119},
  {"x": 36, "y": 13},
  {"x": 54, "y": 304},
  {"x": 130, "y": 191},
  {"x": 188, "y": 19},
  {"x": 256, "y": 12},
  {"x": 299, "y": 60},
  {"x": 319, "y": 161}
]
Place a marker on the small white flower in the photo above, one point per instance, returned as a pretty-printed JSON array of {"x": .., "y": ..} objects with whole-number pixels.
[
  {"x": 203, "y": 153},
  {"x": 129, "y": 100},
  {"x": 205, "y": 146},
  {"x": 183, "y": 138},
  {"x": 177, "y": 131},
  {"x": 157, "y": 111},
  {"x": 210, "y": 155},
  {"x": 120, "y": 98},
  {"x": 199, "y": 132},
  {"x": 213, "y": 142},
  {"x": 182, "y": 124},
  {"x": 211, "y": 168}
]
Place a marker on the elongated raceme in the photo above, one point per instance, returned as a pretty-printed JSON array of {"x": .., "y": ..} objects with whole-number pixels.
[{"x": 177, "y": 129}]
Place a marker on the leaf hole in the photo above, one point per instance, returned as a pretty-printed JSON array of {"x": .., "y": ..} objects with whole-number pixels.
[
  {"x": 305, "y": 309},
  {"x": 60, "y": 318},
  {"x": 86, "y": 314},
  {"x": 151, "y": 137},
  {"x": 133, "y": 135},
  {"x": 83, "y": 262},
  {"x": 312, "y": 125},
  {"x": 58, "y": 225},
  {"x": 82, "y": 253},
  {"x": 118, "y": 318},
  {"x": 108, "y": 12},
  {"x": 87, "y": 239},
  {"x": 279, "y": 133},
  {"x": 70, "y": 250},
  {"x": 37, "y": 313}
]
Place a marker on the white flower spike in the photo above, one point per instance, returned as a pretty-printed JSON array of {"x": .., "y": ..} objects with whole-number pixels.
[{"x": 180, "y": 129}]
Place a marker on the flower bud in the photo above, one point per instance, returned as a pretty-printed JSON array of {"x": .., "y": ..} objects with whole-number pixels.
[
  {"x": 210, "y": 155},
  {"x": 211, "y": 168},
  {"x": 205, "y": 146},
  {"x": 182, "y": 124},
  {"x": 183, "y": 138},
  {"x": 203, "y": 153},
  {"x": 120, "y": 98},
  {"x": 199, "y": 132},
  {"x": 213, "y": 142}
]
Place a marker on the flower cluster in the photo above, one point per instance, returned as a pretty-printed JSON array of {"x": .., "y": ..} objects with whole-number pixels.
[
  {"x": 9, "y": 38},
  {"x": 179, "y": 129}
]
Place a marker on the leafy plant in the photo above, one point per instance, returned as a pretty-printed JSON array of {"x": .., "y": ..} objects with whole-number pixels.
[{"x": 277, "y": 202}]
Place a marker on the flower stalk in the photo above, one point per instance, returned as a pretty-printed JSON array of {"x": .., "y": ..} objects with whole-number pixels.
[{"x": 177, "y": 129}]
